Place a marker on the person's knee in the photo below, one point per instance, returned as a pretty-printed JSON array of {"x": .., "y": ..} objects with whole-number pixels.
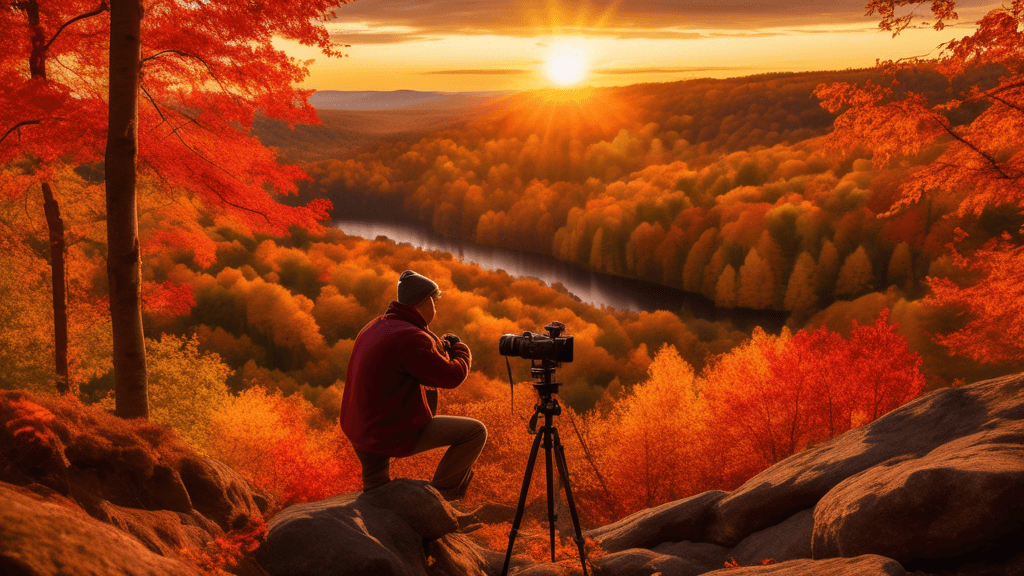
[
  {"x": 480, "y": 433},
  {"x": 479, "y": 429}
]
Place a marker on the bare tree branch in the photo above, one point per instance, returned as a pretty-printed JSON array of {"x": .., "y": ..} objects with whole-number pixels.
[
  {"x": 209, "y": 69},
  {"x": 200, "y": 156},
  {"x": 18, "y": 125},
  {"x": 101, "y": 9}
]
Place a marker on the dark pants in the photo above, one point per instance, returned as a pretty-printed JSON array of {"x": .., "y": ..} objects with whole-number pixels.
[{"x": 465, "y": 438}]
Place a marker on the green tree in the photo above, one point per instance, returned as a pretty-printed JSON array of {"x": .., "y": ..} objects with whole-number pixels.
[{"x": 186, "y": 385}]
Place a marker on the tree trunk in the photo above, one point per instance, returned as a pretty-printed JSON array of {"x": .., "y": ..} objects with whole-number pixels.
[
  {"x": 55, "y": 225},
  {"x": 124, "y": 269}
]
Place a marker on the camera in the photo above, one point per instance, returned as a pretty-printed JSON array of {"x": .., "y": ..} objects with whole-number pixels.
[
  {"x": 449, "y": 341},
  {"x": 552, "y": 347}
]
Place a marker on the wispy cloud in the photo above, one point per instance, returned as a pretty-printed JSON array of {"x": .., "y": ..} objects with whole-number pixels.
[
  {"x": 665, "y": 70},
  {"x": 482, "y": 71},
  {"x": 624, "y": 18},
  {"x": 358, "y": 38}
]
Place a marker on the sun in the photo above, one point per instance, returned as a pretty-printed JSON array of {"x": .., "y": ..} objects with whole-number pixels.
[{"x": 566, "y": 69}]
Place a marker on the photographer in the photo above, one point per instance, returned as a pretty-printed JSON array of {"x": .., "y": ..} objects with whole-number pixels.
[{"x": 384, "y": 409}]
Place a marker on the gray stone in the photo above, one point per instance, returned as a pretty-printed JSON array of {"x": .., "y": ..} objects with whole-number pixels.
[
  {"x": 341, "y": 536},
  {"x": 418, "y": 504},
  {"x": 992, "y": 408},
  {"x": 789, "y": 540},
  {"x": 380, "y": 532},
  {"x": 671, "y": 522},
  {"x": 868, "y": 565},
  {"x": 945, "y": 504}
]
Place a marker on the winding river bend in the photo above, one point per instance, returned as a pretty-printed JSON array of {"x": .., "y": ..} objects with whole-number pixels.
[{"x": 591, "y": 287}]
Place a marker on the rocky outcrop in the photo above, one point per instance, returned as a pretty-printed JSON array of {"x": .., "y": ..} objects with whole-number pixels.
[
  {"x": 966, "y": 418},
  {"x": 936, "y": 486},
  {"x": 671, "y": 522},
  {"x": 132, "y": 484},
  {"x": 867, "y": 565},
  {"x": 789, "y": 540},
  {"x": 945, "y": 504},
  {"x": 51, "y": 536},
  {"x": 402, "y": 528}
]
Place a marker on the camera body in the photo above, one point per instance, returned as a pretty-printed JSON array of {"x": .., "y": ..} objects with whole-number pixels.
[
  {"x": 449, "y": 341},
  {"x": 552, "y": 347}
]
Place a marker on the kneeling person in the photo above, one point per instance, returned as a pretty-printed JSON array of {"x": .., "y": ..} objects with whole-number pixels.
[{"x": 384, "y": 409}]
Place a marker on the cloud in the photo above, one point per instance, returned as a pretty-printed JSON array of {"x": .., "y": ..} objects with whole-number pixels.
[
  {"x": 482, "y": 71},
  {"x": 667, "y": 70},
  {"x": 628, "y": 18},
  {"x": 357, "y": 38}
]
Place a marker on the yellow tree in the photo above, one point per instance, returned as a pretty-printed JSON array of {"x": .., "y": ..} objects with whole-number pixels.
[{"x": 655, "y": 435}]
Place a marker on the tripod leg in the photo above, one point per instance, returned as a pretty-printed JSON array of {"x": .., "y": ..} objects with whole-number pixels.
[
  {"x": 551, "y": 488},
  {"x": 563, "y": 472},
  {"x": 522, "y": 502}
]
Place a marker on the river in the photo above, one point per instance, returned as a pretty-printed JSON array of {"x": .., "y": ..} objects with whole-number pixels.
[{"x": 591, "y": 287}]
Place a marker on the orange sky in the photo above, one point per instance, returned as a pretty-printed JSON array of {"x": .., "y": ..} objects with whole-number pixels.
[{"x": 457, "y": 45}]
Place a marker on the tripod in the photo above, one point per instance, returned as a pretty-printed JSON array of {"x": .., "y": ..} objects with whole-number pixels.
[{"x": 548, "y": 437}]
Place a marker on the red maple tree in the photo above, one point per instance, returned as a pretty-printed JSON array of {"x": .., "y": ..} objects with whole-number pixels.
[
  {"x": 980, "y": 160},
  {"x": 198, "y": 76}
]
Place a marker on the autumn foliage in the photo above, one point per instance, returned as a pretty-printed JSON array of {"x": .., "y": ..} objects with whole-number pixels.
[{"x": 980, "y": 162}]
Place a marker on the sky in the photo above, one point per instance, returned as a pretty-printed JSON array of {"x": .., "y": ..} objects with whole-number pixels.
[{"x": 483, "y": 45}]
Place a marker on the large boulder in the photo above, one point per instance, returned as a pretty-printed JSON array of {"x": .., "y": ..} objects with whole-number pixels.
[
  {"x": 790, "y": 540},
  {"x": 707, "y": 556},
  {"x": 457, "y": 555},
  {"x": 945, "y": 504},
  {"x": 51, "y": 536},
  {"x": 642, "y": 562},
  {"x": 980, "y": 412},
  {"x": 161, "y": 531},
  {"x": 219, "y": 493},
  {"x": 381, "y": 532},
  {"x": 868, "y": 565},
  {"x": 671, "y": 522},
  {"x": 418, "y": 504},
  {"x": 136, "y": 476}
]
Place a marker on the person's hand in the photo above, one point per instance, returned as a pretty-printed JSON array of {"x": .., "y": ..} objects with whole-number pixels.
[{"x": 460, "y": 350}]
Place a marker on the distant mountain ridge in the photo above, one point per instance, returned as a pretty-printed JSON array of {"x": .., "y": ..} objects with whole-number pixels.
[{"x": 389, "y": 100}]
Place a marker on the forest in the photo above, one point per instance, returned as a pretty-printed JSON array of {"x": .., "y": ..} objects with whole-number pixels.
[{"x": 880, "y": 208}]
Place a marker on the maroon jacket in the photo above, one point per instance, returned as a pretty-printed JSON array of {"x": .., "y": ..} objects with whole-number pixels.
[{"x": 384, "y": 405}]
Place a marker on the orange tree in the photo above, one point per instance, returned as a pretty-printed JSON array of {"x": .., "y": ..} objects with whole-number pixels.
[{"x": 979, "y": 158}]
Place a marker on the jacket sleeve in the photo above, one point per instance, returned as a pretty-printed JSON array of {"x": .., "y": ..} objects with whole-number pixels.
[{"x": 432, "y": 369}]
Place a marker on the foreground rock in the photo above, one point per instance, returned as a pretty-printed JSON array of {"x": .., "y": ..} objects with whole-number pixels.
[
  {"x": 133, "y": 485},
  {"x": 44, "y": 537},
  {"x": 868, "y": 565},
  {"x": 671, "y": 522},
  {"x": 967, "y": 418},
  {"x": 387, "y": 531},
  {"x": 935, "y": 487}
]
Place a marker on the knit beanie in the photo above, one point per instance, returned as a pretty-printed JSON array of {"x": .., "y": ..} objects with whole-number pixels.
[{"x": 413, "y": 288}]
